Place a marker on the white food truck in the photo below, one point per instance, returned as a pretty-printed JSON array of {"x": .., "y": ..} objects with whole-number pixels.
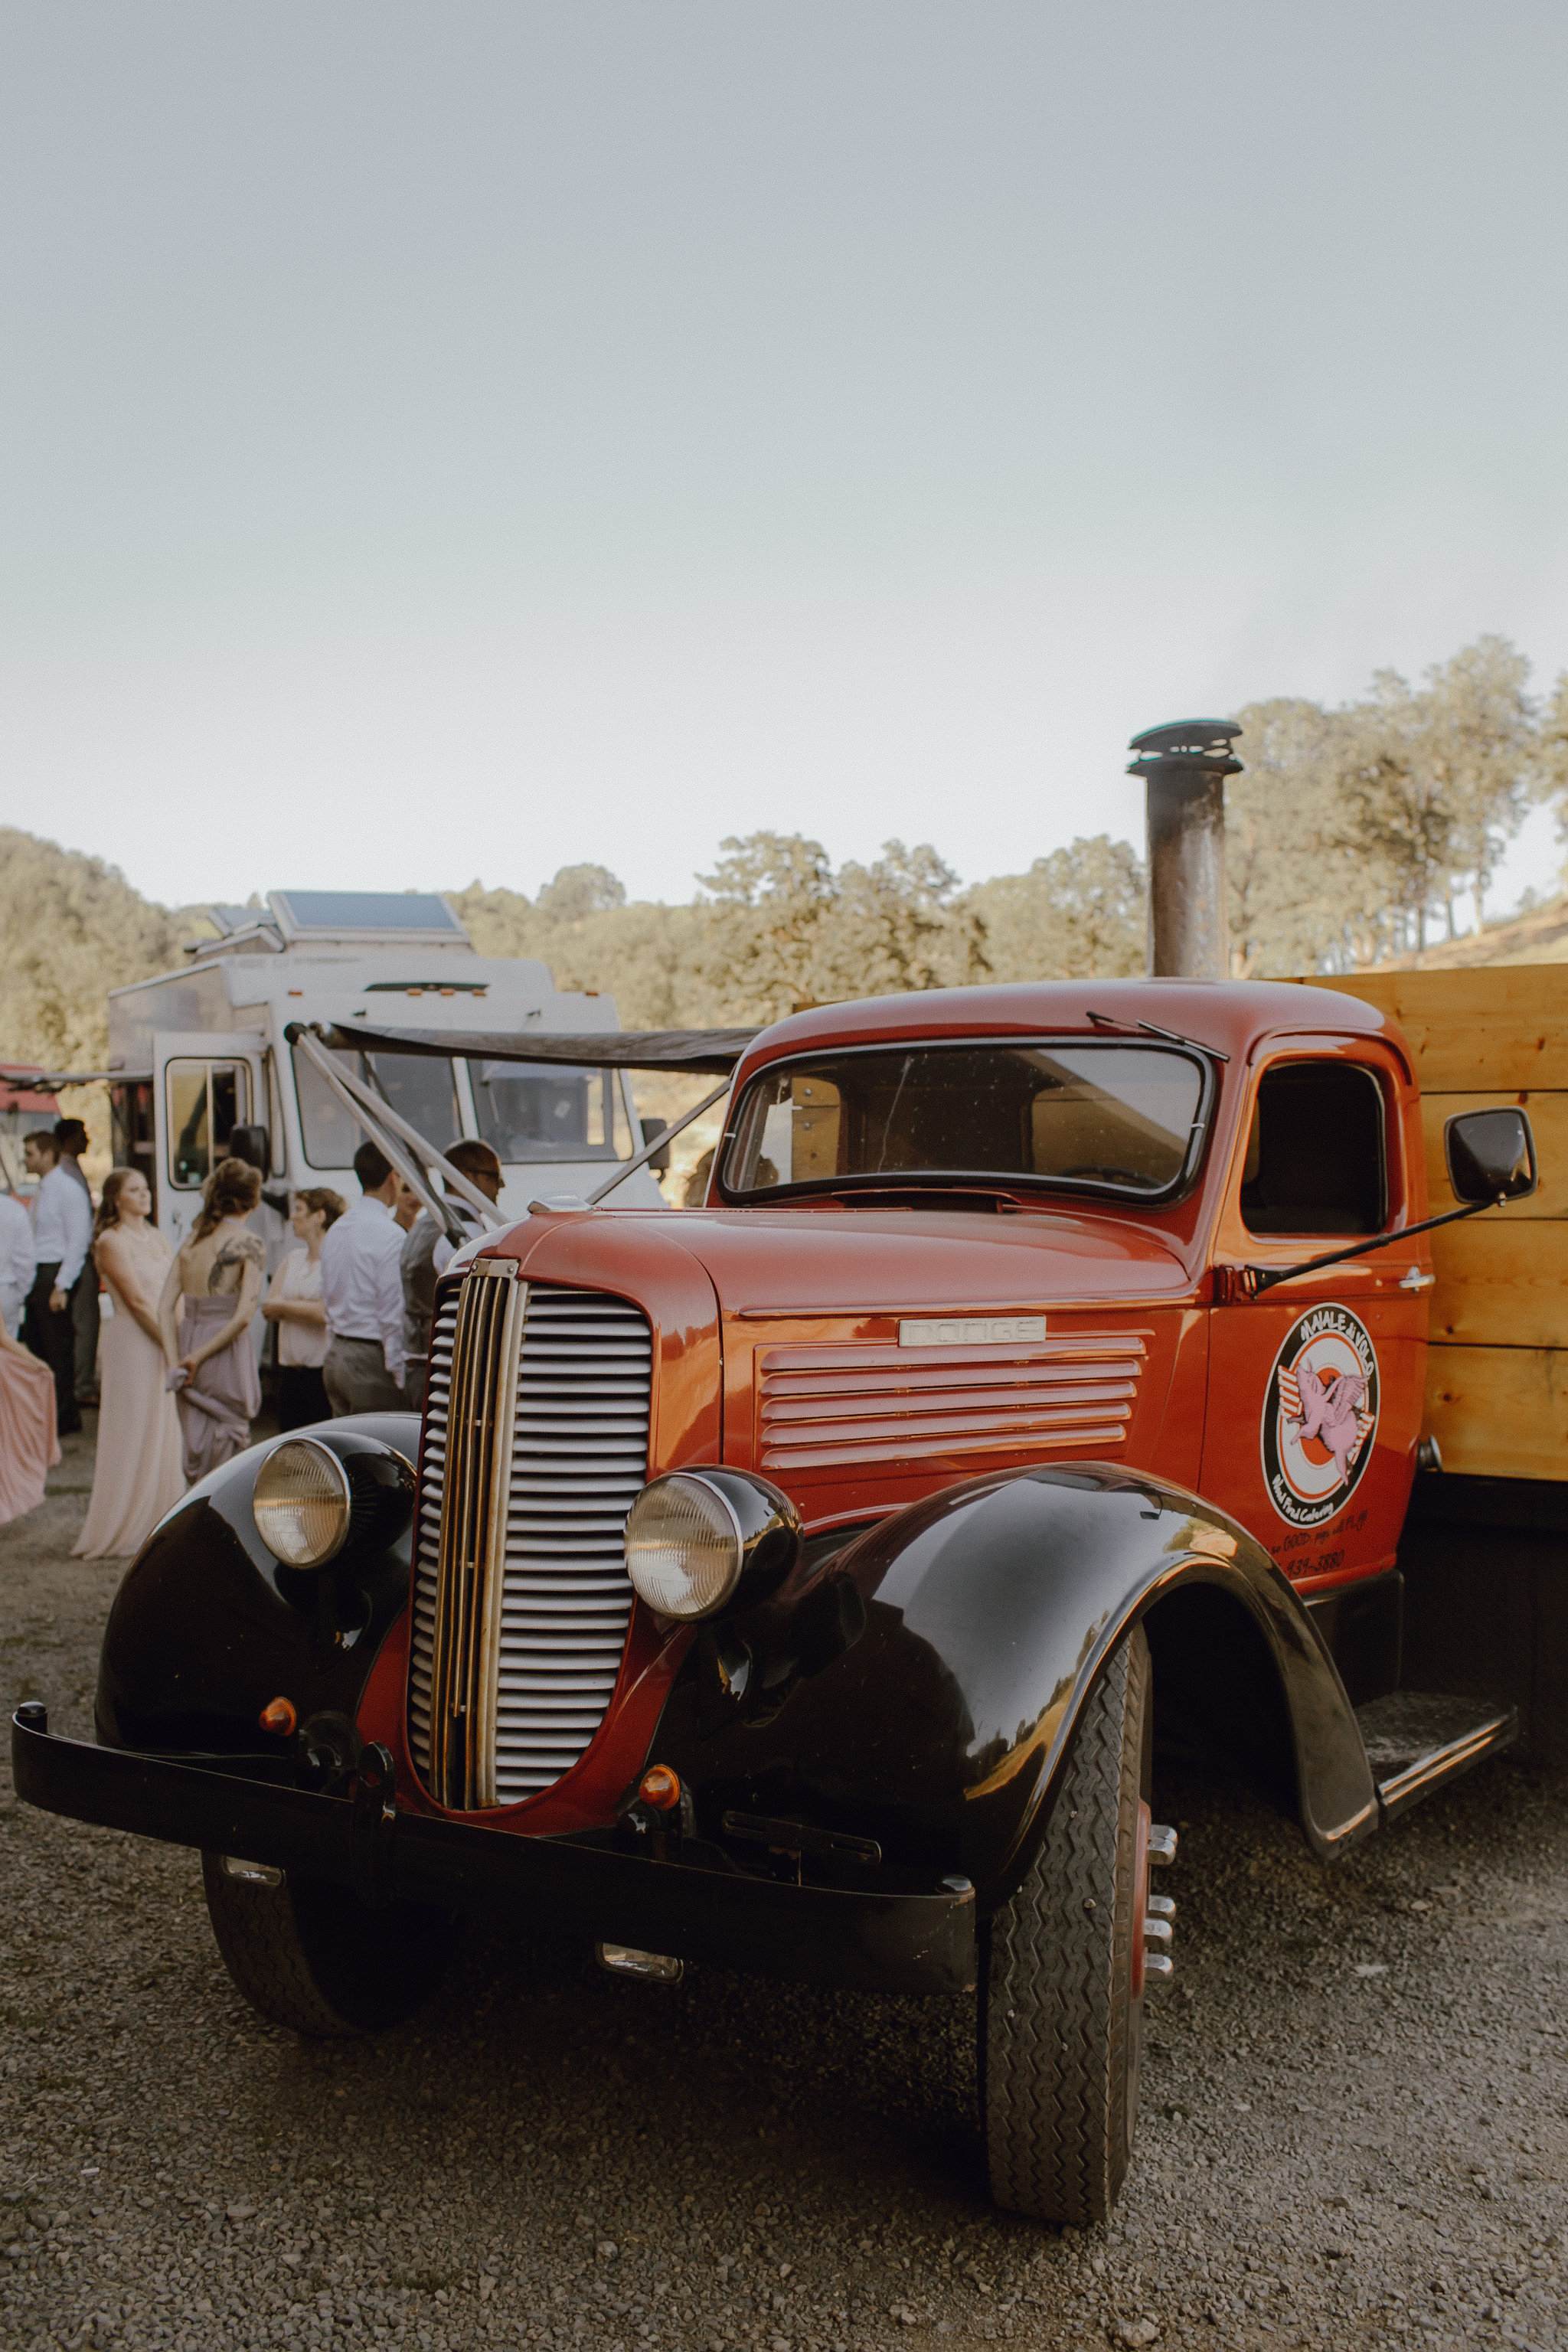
[{"x": 195, "y": 1054}]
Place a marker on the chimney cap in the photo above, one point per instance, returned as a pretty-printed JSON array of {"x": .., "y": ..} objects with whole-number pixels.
[{"x": 1199, "y": 744}]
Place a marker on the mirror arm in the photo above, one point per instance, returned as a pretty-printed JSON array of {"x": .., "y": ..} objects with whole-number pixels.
[{"x": 1251, "y": 1281}]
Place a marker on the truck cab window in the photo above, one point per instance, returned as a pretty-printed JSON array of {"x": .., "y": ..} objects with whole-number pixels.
[
  {"x": 206, "y": 1101},
  {"x": 1315, "y": 1157}
]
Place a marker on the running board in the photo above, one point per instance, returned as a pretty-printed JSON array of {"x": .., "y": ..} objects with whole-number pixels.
[{"x": 1417, "y": 1740}]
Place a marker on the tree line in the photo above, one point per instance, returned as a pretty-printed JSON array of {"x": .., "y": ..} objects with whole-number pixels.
[{"x": 1354, "y": 833}]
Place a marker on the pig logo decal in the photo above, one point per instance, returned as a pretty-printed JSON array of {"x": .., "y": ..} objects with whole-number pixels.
[{"x": 1320, "y": 1415}]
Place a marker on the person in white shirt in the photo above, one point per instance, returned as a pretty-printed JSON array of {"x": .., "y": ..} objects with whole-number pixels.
[
  {"x": 293, "y": 1303},
  {"x": 362, "y": 1290},
  {"x": 62, "y": 1231},
  {"x": 70, "y": 1142},
  {"x": 18, "y": 1261}
]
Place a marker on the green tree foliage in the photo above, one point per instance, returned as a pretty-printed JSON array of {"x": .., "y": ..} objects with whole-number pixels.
[
  {"x": 1353, "y": 831},
  {"x": 72, "y": 929},
  {"x": 1078, "y": 914}
]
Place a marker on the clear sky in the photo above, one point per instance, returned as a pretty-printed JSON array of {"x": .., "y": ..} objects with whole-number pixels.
[{"x": 464, "y": 440}]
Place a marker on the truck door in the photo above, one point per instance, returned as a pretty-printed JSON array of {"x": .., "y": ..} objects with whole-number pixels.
[
  {"x": 203, "y": 1086},
  {"x": 1316, "y": 1387}
]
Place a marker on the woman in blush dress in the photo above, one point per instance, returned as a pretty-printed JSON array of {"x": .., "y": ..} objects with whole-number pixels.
[
  {"x": 28, "y": 1444},
  {"x": 218, "y": 1274},
  {"x": 138, "y": 1476},
  {"x": 293, "y": 1303}
]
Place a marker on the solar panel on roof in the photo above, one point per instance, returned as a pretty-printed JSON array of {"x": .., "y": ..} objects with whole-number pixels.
[{"x": 337, "y": 911}]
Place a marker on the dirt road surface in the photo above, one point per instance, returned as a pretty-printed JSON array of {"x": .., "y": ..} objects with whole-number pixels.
[{"x": 1356, "y": 2118}]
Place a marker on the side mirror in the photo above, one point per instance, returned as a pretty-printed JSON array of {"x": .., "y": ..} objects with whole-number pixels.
[
  {"x": 1491, "y": 1156},
  {"x": 659, "y": 1162},
  {"x": 251, "y": 1144}
]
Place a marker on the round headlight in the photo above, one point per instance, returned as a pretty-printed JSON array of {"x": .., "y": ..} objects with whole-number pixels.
[
  {"x": 302, "y": 1503},
  {"x": 684, "y": 1546}
]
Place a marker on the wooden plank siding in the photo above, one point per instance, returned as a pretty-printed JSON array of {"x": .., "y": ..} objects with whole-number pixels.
[{"x": 1496, "y": 1384}]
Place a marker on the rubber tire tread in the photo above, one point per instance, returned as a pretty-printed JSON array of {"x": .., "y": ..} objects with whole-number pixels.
[
  {"x": 311, "y": 1957},
  {"x": 1060, "y": 2030}
]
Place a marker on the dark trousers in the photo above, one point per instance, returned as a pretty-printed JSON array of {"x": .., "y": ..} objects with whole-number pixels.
[
  {"x": 84, "y": 1333},
  {"x": 357, "y": 1378},
  {"x": 53, "y": 1341},
  {"x": 301, "y": 1396}
]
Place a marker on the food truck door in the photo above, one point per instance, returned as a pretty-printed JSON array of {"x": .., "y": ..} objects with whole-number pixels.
[{"x": 203, "y": 1086}]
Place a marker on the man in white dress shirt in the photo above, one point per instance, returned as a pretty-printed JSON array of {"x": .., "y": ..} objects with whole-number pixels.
[
  {"x": 62, "y": 1229},
  {"x": 18, "y": 1261},
  {"x": 70, "y": 1142},
  {"x": 362, "y": 1290}
]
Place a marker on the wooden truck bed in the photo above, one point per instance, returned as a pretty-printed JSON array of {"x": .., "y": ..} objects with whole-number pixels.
[{"x": 1497, "y": 1385}]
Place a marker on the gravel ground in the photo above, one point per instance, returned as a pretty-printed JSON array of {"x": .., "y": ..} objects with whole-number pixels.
[{"x": 1355, "y": 2121}]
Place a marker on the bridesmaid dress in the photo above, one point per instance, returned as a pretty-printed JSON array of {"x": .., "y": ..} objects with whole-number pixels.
[
  {"x": 217, "y": 1407},
  {"x": 28, "y": 1444},
  {"x": 138, "y": 1476}
]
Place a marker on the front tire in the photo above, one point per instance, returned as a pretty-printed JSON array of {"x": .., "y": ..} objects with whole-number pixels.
[
  {"x": 312, "y": 1957},
  {"x": 1061, "y": 2024}
]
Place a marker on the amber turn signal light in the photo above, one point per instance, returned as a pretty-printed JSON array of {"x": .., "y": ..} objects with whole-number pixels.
[
  {"x": 661, "y": 1788},
  {"x": 278, "y": 1715}
]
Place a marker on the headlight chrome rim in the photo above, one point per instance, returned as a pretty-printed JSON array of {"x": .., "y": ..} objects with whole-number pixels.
[
  {"x": 280, "y": 1520},
  {"x": 656, "y": 1581}
]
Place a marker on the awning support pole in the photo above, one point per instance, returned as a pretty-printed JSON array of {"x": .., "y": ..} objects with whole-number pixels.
[{"x": 382, "y": 1123}]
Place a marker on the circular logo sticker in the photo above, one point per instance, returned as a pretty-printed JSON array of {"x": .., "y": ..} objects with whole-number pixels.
[{"x": 1318, "y": 1415}]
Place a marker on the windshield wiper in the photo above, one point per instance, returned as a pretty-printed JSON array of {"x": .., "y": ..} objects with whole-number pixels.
[{"x": 1172, "y": 1037}]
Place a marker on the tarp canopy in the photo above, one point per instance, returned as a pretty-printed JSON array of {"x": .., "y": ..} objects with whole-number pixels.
[
  {"x": 715, "y": 1050},
  {"x": 53, "y": 1081}
]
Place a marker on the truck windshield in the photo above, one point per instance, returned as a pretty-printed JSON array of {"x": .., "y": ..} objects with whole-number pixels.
[
  {"x": 419, "y": 1087},
  {"x": 546, "y": 1110},
  {"x": 1097, "y": 1117}
]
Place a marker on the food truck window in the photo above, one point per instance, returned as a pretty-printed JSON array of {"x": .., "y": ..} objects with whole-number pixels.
[
  {"x": 531, "y": 1111},
  {"x": 1315, "y": 1158},
  {"x": 206, "y": 1101},
  {"x": 420, "y": 1088}
]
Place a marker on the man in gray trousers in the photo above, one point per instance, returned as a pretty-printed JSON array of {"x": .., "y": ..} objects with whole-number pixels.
[{"x": 362, "y": 1290}]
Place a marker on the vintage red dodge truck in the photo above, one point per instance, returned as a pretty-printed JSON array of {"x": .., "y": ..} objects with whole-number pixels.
[{"x": 806, "y": 1582}]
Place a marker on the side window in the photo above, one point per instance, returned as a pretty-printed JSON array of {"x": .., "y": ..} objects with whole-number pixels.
[
  {"x": 206, "y": 1101},
  {"x": 420, "y": 1089},
  {"x": 1315, "y": 1158}
]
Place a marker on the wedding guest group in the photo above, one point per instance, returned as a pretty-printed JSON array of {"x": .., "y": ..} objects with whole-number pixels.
[
  {"x": 18, "y": 1261},
  {"x": 214, "y": 1288},
  {"x": 362, "y": 1290},
  {"x": 62, "y": 1235},
  {"x": 70, "y": 1142},
  {"x": 139, "y": 1473},
  {"x": 29, "y": 1446},
  {"x": 293, "y": 1306},
  {"x": 427, "y": 1252}
]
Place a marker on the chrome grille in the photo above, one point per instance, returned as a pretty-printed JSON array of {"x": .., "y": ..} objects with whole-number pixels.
[{"x": 578, "y": 1459}]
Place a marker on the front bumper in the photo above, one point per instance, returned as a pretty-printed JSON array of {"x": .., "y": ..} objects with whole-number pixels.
[{"x": 897, "y": 1941}]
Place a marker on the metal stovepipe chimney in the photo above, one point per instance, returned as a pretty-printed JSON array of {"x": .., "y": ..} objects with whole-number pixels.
[{"x": 1186, "y": 766}]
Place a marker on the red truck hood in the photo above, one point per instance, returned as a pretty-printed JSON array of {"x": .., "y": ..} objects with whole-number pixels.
[{"x": 838, "y": 1262}]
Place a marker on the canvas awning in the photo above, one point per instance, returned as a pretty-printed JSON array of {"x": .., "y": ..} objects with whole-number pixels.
[{"x": 696, "y": 1050}]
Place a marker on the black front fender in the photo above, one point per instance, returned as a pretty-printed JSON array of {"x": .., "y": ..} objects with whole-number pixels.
[
  {"x": 208, "y": 1626},
  {"x": 975, "y": 1622}
]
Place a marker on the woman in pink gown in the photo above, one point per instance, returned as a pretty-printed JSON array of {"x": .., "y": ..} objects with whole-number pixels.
[
  {"x": 28, "y": 1444},
  {"x": 138, "y": 1476}
]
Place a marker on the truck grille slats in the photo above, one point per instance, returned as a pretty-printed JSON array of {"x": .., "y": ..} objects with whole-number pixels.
[
  {"x": 575, "y": 1396},
  {"x": 826, "y": 1408}
]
